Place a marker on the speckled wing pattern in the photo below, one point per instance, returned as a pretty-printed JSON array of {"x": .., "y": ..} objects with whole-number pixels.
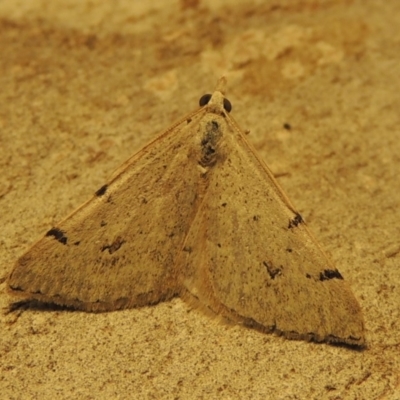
[
  {"x": 119, "y": 249},
  {"x": 195, "y": 213}
]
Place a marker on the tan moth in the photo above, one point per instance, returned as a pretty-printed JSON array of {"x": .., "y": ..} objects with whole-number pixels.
[{"x": 197, "y": 214}]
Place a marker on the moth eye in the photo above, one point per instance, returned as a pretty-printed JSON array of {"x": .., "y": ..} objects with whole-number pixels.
[
  {"x": 227, "y": 105},
  {"x": 207, "y": 97},
  {"x": 204, "y": 99}
]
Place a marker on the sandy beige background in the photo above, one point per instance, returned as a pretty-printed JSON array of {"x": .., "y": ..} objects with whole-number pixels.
[{"x": 84, "y": 84}]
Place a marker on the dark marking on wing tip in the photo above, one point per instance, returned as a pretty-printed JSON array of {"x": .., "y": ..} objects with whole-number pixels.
[
  {"x": 102, "y": 190},
  {"x": 114, "y": 246},
  {"x": 287, "y": 126},
  {"x": 58, "y": 235},
  {"x": 272, "y": 271},
  {"x": 328, "y": 274},
  {"x": 297, "y": 220}
]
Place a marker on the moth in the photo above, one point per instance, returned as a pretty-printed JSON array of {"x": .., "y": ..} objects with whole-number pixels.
[{"x": 197, "y": 214}]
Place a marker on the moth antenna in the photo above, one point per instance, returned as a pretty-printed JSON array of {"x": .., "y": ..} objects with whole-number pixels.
[{"x": 221, "y": 85}]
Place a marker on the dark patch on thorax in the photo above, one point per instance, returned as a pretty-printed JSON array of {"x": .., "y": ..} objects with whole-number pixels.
[{"x": 209, "y": 143}]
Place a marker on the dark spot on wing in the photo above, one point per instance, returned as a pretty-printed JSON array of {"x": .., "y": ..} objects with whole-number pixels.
[
  {"x": 272, "y": 271},
  {"x": 58, "y": 235},
  {"x": 102, "y": 190},
  {"x": 298, "y": 219},
  {"x": 224, "y": 204},
  {"x": 287, "y": 126},
  {"x": 114, "y": 246},
  {"x": 328, "y": 274}
]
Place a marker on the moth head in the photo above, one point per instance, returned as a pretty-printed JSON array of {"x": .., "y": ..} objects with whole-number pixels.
[{"x": 215, "y": 98}]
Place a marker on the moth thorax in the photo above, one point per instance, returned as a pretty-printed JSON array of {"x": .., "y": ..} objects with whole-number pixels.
[{"x": 209, "y": 144}]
